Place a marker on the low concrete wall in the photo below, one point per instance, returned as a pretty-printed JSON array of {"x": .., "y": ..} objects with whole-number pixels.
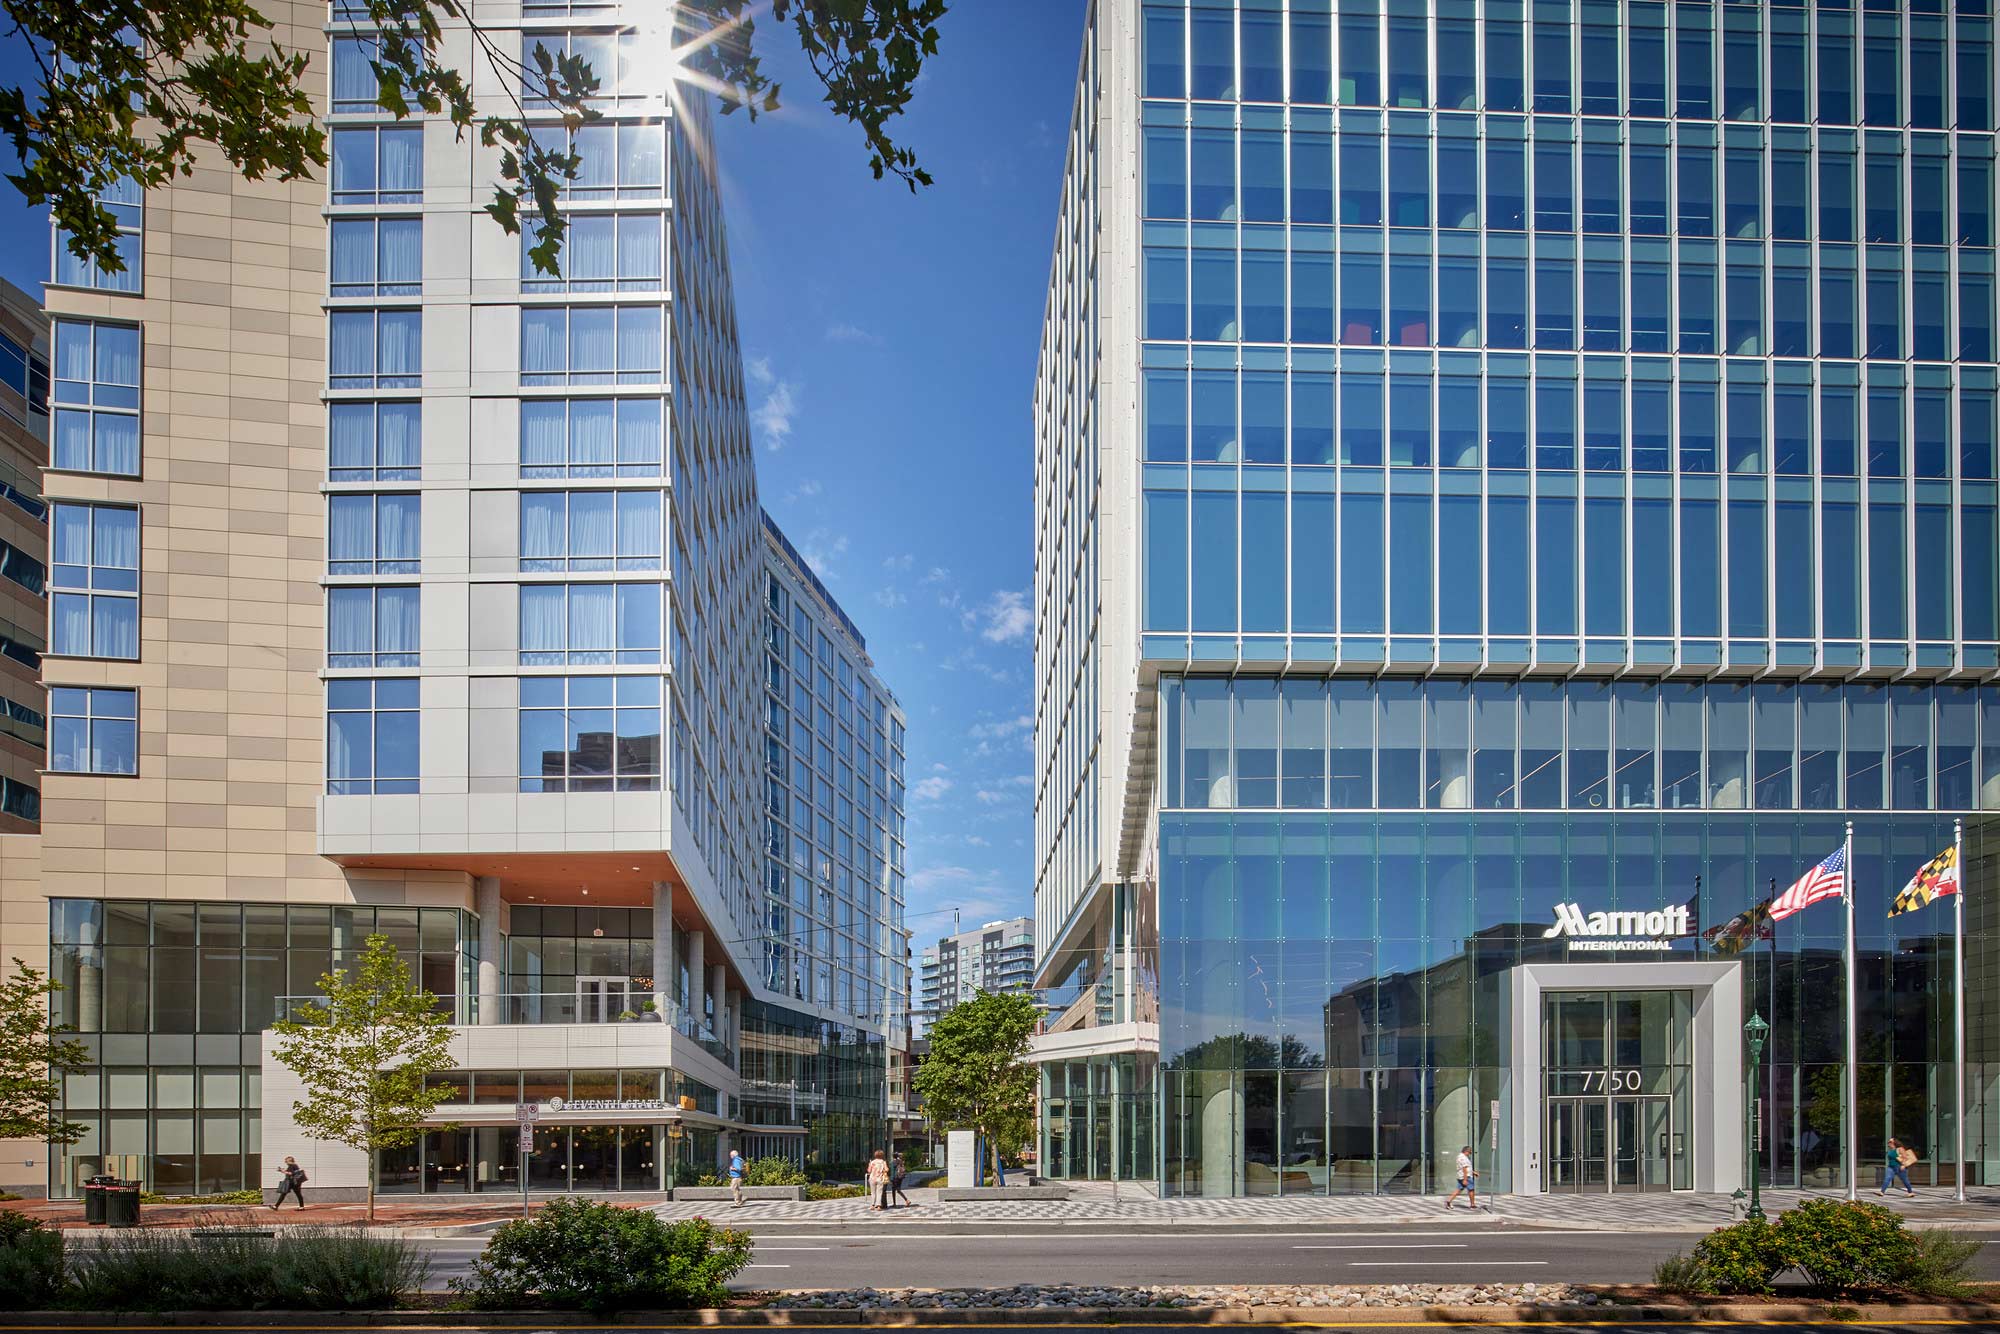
[
  {"x": 690, "y": 1193},
  {"x": 1048, "y": 1192}
]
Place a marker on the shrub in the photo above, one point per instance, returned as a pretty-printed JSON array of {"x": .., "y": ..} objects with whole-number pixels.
[
  {"x": 306, "y": 1268},
  {"x": 1846, "y": 1247},
  {"x": 1683, "y": 1274},
  {"x": 1743, "y": 1257},
  {"x": 772, "y": 1171},
  {"x": 579, "y": 1255},
  {"x": 226, "y": 1197},
  {"x": 31, "y": 1263},
  {"x": 821, "y": 1190},
  {"x": 1937, "y": 1263}
]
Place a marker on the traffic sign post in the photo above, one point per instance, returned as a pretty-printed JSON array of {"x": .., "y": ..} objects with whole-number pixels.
[{"x": 526, "y": 1113}]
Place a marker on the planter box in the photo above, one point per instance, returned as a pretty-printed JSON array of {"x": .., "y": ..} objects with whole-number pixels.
[
  {"x": 1048, "y": 1192},
  {"x": 684, "y": 1194}
]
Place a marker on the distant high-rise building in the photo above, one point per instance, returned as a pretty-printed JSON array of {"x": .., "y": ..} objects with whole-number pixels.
[{"x": 999, "y": 956}]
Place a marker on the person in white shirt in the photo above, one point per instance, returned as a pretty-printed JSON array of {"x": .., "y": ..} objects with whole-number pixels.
[{"x": 1468, "y": 1180}]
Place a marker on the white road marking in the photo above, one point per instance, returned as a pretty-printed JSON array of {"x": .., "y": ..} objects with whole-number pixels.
[
  {"x": 1065, "y": 1235},
  {"x": 767, "y": 1266},
  {"x": 795, "y": 1248}
]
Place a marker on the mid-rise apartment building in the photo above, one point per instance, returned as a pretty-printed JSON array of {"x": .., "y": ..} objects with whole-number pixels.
[
  {"x": 998, "y": 956},
  {"x": 407, "y": 590},
  {"x": 1498, "y": 464},
  {"x": 24, "y": 555}
]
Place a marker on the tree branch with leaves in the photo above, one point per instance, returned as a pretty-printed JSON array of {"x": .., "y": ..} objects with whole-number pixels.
[
  {"x": 131, "y": 89},
  {"x": 33, "y": 1058},
  {"x": 977, "y": 1076},
  {"x": 363, "y": 1057}
]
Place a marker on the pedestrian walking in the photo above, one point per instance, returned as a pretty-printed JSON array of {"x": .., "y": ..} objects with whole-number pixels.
[
  {"x": 878, "y": 1181},
  {"x": 291, "y": 1178},
  {"x": 897, "y": 1171},
  {"x": 735, "y": 1179},
  {"x": 1897, "y": 1160},
  {"x": 1468, "y": 1181}
]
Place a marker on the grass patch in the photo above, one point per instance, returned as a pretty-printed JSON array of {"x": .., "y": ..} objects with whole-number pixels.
[
  {"x": 226, "y": 1197},
  {"x": 299, "y": 1269}
]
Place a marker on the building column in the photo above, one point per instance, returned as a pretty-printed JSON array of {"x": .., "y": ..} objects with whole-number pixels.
[
  {"x": 663, "y": 948},
  {"x": 696, "y": 947},
  {"x": 486, "y": 902},
  {"x": 735, "y": 1038},
  {"x": 718, "y": 990}
]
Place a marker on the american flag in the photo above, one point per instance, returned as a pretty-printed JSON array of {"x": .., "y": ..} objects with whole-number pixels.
[{"x": 1825, "y": 881}]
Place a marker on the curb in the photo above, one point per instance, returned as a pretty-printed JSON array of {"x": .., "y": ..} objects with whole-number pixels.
[{"x": 894, "y": 1317}]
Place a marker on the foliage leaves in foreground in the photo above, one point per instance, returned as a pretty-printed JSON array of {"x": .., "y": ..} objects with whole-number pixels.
[
  {"x": 976, "y": 1076},
  {"x": 31, "y": 1263},
  {"x": 33, "y": 1055},
  {"x": 298, "y": 1269},
  {"x": 580, "y": 1255},
  {"x": 1843, "y": 1249},
  {"x": 131, "y": 89}
]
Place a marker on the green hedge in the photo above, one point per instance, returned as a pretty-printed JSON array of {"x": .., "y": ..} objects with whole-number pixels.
[
  {"x": 1842, "y": 1249},
  {"x": 580, "y": 1255},
  {"x": 299, "y": 1269}
]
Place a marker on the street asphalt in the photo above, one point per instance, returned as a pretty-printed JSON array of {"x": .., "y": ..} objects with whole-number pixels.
[{"x": 916, "y": 1255}]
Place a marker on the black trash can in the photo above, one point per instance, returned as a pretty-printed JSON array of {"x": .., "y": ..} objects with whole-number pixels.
[
  {"x": 93, "y": 1197},
  {"x": 121, "y": 1204}
]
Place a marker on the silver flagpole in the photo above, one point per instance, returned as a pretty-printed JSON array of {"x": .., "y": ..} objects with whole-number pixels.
[
  {"x": 1958, "y": 997},
  {"x": 1853, "y": 1075}
]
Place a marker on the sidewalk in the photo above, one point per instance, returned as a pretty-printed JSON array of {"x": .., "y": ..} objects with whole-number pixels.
[
  {"x": 412, "y": 1217},
  {"x": 1095, "y": 1202}
]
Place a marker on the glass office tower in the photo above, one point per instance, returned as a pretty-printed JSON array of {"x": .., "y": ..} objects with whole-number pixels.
[{"x": 1494, "y": 457}]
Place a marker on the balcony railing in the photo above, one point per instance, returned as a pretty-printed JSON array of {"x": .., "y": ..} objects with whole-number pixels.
[{"x": 560, "y": 1007}]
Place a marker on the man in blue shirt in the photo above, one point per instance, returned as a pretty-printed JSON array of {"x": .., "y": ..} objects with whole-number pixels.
[{"x": 736, "y": 1178}]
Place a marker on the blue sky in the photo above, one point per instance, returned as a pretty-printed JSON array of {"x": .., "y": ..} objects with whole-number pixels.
[{"x": 889, "y": 341}]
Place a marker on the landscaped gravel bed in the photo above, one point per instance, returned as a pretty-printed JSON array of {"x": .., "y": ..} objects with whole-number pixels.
[{"x": 1264, "y": 1294}]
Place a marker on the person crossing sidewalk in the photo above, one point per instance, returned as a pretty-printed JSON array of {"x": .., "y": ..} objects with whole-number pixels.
[{"x": 1468, "y": 1181}]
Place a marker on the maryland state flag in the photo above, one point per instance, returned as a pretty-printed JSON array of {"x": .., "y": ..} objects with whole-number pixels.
[
  {"x": 1734, "y": 935},
  {"x": 1939, "y": 877}
]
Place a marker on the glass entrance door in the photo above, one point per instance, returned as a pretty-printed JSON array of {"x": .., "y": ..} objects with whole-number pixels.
[
  {"x": 1642, "y": 1138},
  {"x": 599, "y": 1000},
  {"x": 1577, "y": 1146}
]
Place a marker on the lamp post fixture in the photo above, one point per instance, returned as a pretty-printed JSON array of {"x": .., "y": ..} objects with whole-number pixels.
[{"x": 1755, "y": 1030}]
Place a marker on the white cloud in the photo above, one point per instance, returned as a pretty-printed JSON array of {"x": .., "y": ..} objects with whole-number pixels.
[
  {"x": 843, "y": 332},
  {"x": 900, "y": 564},
  {"x": 772, "y": 416},
  {"x": 931, "y": 788},
  {"x": 805, "y": 490},
  {"x": 888, "y": 596},
  {"x": 1005, "y": 618},
  {"x": 821, "y": 547},
  {"x": 1001, "y": 728}
]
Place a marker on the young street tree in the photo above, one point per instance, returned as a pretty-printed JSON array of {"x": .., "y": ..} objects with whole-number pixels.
[
  {"x": 362, "y": 1057},
  {"x": 33, "y": 1057},
  {"x": 977, "y": 1076},
  {"x": 130, "y": 89}
]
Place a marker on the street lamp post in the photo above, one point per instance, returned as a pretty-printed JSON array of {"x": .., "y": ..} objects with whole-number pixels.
[{"x": 1755, "y": 1030}]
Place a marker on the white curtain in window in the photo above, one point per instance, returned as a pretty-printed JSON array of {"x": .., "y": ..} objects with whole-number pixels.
[
  {"x": 542, "y": 342},
  {"x": 399, "y": 435},
  {"x": 640, "y": 254},
  {"x": 541, "y": 525},
  {"x": 348, "y": 746},
  {"x": 639, "y": 617},
  {"x": 590, "y": 431},
  {"x": 402, "y": 160},
  {"x": 593, "y": 250},
  {"x": 639, "y": 430},
  {"x": 69, "y": 623},
  {"x": 351, "y": 436},
  {"x": 350, "y": 528},
  {"x": 396, "y": 620},
  {"x": 542, "y": 434},
  {"x": 591, "y": 340},
  {"x": 72, "y": 350},
  {"x": 114, "y": 623},
  {"x": 590, "y": 525},
  {"x": 402, "y": 251},
  {"x": 543, "y": 618},
  {"x": 353, "y": 257},
  {"x": 597, "y": 151},
  {"x": 598, "y": 51},
  {"x": 350, "y": 620},
  {"x": 115, "y": 538},
  {"x": 72, "y": 535},
  {"x": 72, "y": 439},
  {"x": 641, "y": 154},
  {"x": 640, "y": 344},
  {"x": 117, "y": 449},
  {"x": 118, "y": 362},
  {"x": 399, "y": 520},
  {"x": 639, "y": 524},
  {"x": 402, "y": 342},
  {"x": 351, "y": 343},
  {"x": 590, "y": 621},
  {"x": 353, "y": 77}
]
